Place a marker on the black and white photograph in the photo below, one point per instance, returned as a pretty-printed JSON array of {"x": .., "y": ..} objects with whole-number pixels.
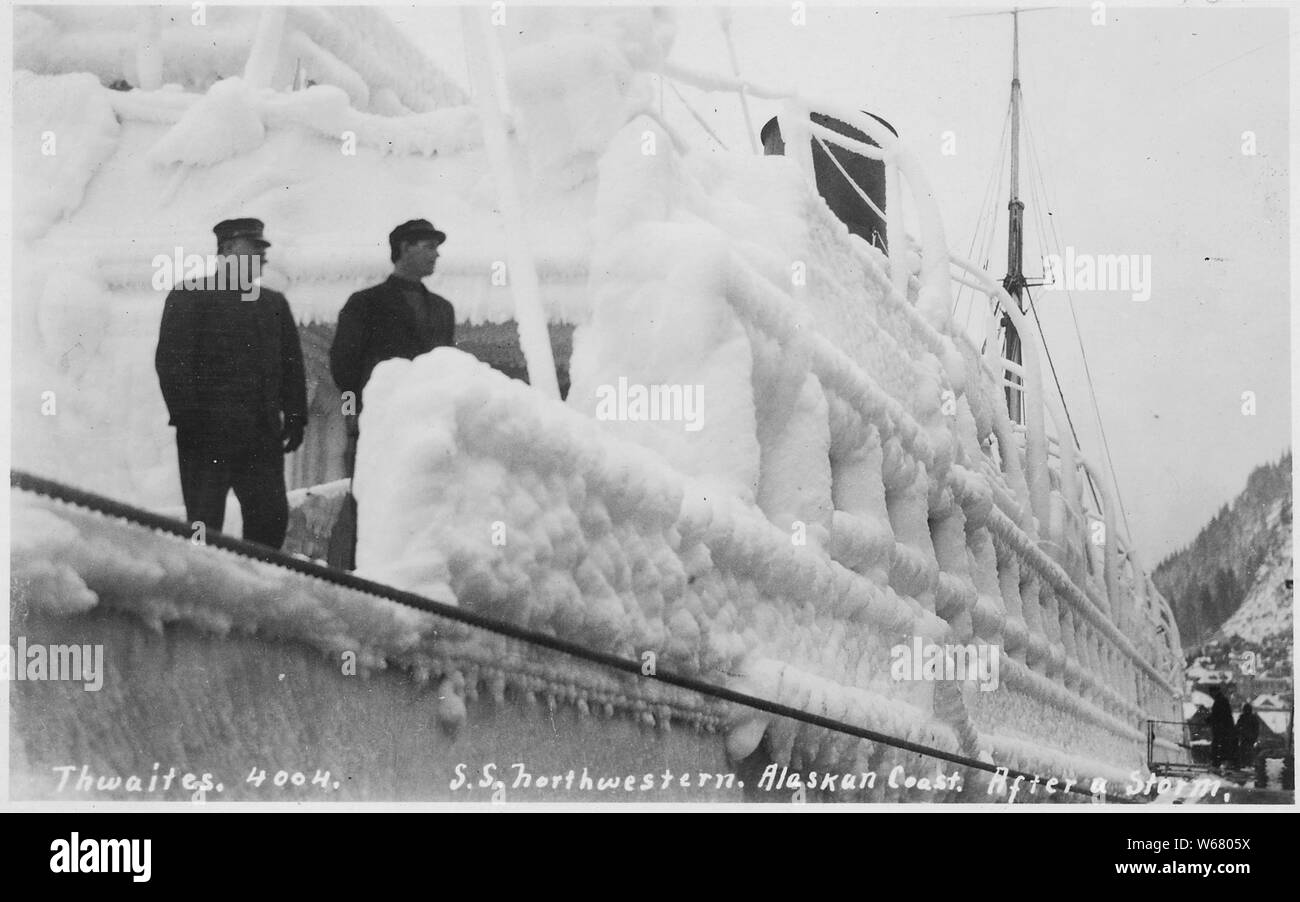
[{"x": 507, "y": 406}]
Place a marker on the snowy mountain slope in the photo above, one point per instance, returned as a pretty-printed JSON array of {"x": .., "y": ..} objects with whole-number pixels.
[
  {"x": 1269, "y": 606},
  {"x": 1232, "y": 576}
]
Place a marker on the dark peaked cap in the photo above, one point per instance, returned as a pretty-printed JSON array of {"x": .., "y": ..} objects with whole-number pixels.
[
  {"x": 240, "y": 228},
  {"x": 415, "y": 230}
]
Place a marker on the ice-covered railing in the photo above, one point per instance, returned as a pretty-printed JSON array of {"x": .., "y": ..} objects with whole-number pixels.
[
  {"x": 1117, "y": 556},
  {"x": 658, "y": 540},
  {"x": 1041, "y": 408},
  {"x": 324, "y": 110},
  {"x": 901, "y": 170},
  {"x": 356, "y": 49},
  {"x": 533, "y": 513},
  {"x": 1089, "y": 627}
]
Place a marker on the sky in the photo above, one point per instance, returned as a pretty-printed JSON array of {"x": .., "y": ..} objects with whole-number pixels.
[{"x": 1140, "y": 126}]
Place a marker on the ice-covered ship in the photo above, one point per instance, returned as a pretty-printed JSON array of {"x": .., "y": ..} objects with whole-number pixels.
[{"x": 770, "y": 461}]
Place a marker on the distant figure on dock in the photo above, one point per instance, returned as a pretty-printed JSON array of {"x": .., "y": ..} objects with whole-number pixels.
[
  {"x": 1222, "y": 733},
  {"x": 1247, "y": 736},
  {"x": 843, "y": 199}
]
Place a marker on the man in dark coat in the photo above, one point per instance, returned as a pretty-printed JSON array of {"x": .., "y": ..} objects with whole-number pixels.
[
  {"x": 231, "y": 371},
  {"x": 1222, "y": 741},
  {"x": 1247, "y": 735},
  {"x": 399, "y": 317}
]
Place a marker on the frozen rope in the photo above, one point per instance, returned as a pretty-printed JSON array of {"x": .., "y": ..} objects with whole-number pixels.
[
  {"x": 57, "y": 491},
  {"x": 698, "y": 118},
  {"x": 848, "y": 178},
  {"x": 1083, "y": 354}
]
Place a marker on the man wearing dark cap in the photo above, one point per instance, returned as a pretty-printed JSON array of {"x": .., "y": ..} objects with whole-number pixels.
[
  {"x": 399, "y": 317},
  {"x": 231, "y": 371}
]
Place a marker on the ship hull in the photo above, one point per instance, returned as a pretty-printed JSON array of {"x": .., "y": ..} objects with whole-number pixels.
[{"x": 240, "y": 714}]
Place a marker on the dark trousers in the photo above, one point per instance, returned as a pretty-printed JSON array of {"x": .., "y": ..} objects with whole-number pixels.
[
  {"x": 342, "y": 551},
  {"x": 256, "y": 473},
  {"x": 1223, "y": 747}
]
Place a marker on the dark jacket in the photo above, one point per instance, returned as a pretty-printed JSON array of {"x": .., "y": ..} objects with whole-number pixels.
[
  {"x": 1221, "y": 716},
  {"x": 377, "y": 324},
  {"x": 230, "y": 368},
  {"x": 1248, "y": 727}
]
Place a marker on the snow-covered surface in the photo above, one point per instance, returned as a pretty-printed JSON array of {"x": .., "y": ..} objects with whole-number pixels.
[
  {"x": 531, "y": 512},
  {"x": 132, "y": 176},
  {"x": 854, "y": 481},
  {"x": 355, "y": 48}
]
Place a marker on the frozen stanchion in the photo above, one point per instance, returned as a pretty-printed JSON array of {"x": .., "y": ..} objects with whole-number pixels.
[
  {"x": 482, "y": 56},
  {"x": 264, "y": 57}
]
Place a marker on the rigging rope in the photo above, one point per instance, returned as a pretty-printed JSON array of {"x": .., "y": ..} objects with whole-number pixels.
[
  {"x": 1036, "y": 166},
  {"x": 690, "y": 109},
  {"x": 848, "y": 178},
  {"x": 986, "y": 210},
  {"x": 986, "y": 251},
  {"x": 1052, "y": 365},
  {"x": 1039, "y": 203}
]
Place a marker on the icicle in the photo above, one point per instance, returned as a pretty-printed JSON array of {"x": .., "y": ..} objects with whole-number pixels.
[
  {"x": 482, "y": 56},
  {"x": 264, "y": 55},
  {"x": 451, "y": 707},
  {"x": 148, "y": 50},
  {"x": 745, "y": 737},
  {"x": 781, "y": 740}
]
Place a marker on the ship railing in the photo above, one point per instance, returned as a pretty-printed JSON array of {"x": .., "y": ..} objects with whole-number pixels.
[
  {"x": 1088, "y": 620},
  {"x": 1169, "y": 744},
  {"x": 1117, "y": 556},
  {"x": 1119, "y": 565}
]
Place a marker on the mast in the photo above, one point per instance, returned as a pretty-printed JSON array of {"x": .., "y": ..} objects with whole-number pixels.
[{"x": 1014, "y": 282}]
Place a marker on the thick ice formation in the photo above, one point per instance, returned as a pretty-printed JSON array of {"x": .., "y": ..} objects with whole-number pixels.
[
  {"x": 68, "y": 561},
  {"x": 354, "y": 48},
  {"x": 74, "y": 136},
  {"x": 841, "y": 494},
  {"x": 114, "y": 179},
  {"x": 853, "y": 481}
]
